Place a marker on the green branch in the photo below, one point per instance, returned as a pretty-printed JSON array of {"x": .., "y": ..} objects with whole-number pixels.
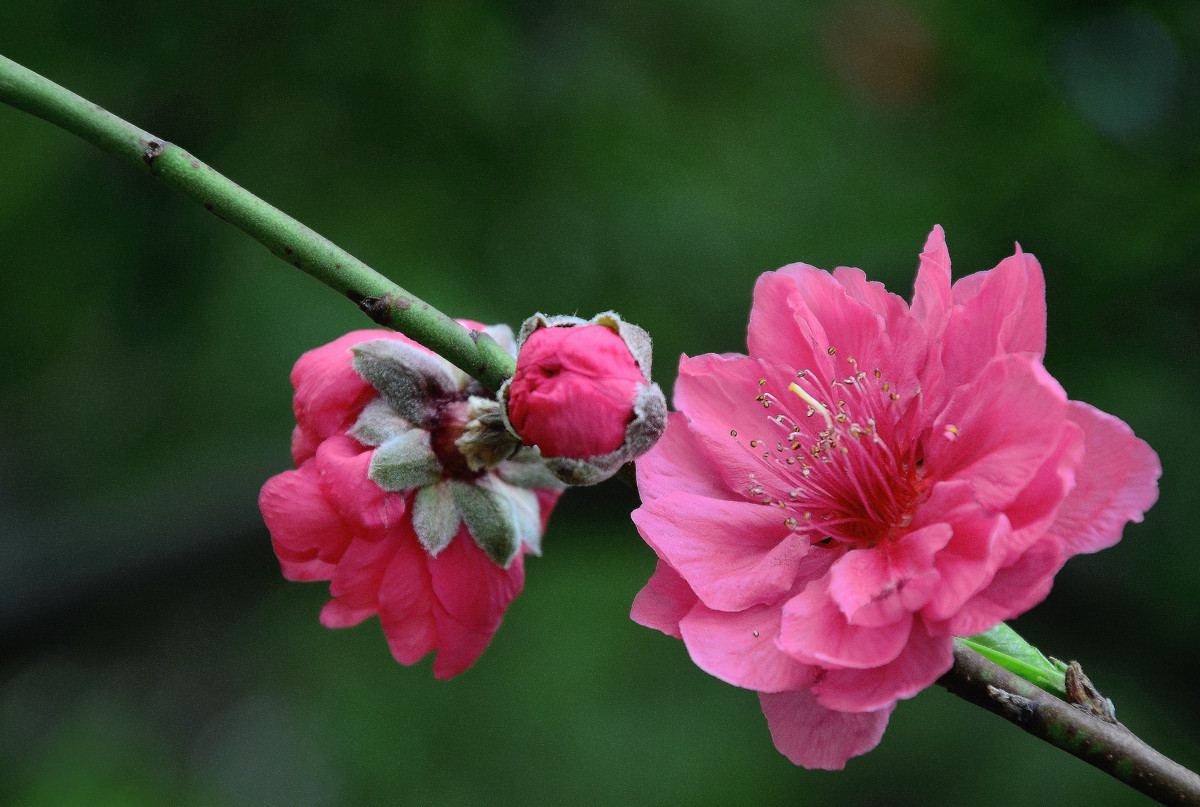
[{"x": 379, "y": 298}]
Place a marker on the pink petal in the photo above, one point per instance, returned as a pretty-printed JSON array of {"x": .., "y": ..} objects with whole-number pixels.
[
  {"x": 677, "y": 462},
  {"x": 547, "y": 499},
  {"x": 851, "y": 327},
  {"x": 720, "y": 397},
  {"x": 355, "y": 583},
  {"x": 307, "y": 534},
  {"x": 783, "y": 331},
  {"x": 346, "y": 612},
  {"x": 966, "y": 563},
  {"x": 1005, "y": 424},
  {"x": 931, "y": 292},
  {"x": 342, "y": 463},
  {"x": 663, "y": 601},
  {"x": 814, "y": 631},
  {"x": 1000, "y": 311},
  {"x": 1013, "y": 591},
  {"x": 406, "y": 601},
  {"x": 472, "y": 595},
  {"x": 329, "y": 393},
  {"x": 925, "y": 659},
  {"x": 812, "y": 736},
  {"x": 733, "y": 554},
  {"x": 903, "y": 344},
  {"x": 1037, "y": 505},
  {"x": 1116, "y": 482},
  {"x": 871, "y": 293},
  {"x": 878, "y": 586},
  {"x": 304, "y": 446},
  {"x": 739, "y": 648}
]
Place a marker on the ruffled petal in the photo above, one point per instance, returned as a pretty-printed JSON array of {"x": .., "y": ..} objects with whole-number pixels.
[
  {"x": 997, "y": 312},
  {"x": 406, "y": 600},
  {"x": 967, "y": 562},
  {"x": 1036, "y": 507},
  {"x": 812, "y": 736},
  {"x": 783, "y": 330},
  {"x": 997, "y": 431},
  {"x": 925, "y": 659},
  {"x": 355, "y": 583},
  {"x": 931, "y": 292},
  {"x": 1013, "y": 591},
  {"x": 852, "y": 329},
  {"x": 304, "y": 446},
  {"x": 329, "y": 393},
  {"x": 902, "y": 346},
  {"x": 343, "y": 464},
  {"x": 814, "y": 631},
  {"x": 472, "y": 594},
  {"x": 733, "y": 554},
  {"x": 308, "y": 536},
  {"x": 739, "y": 648},
  {"x": 663, "y": 601},
  {"x": 1116, "y": 482},
  {"x": 878, "y": 586},
  {"x": 679, "y": 463},
  {"x": 722, "y": 398},
  {"x": 872, "y": 294}
]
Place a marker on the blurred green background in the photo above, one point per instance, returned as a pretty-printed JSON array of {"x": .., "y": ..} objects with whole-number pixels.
[{"x": 501, "y": 158}]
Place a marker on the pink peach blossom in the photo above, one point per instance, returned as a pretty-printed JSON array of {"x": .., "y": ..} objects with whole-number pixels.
[
  {"x": 388, "y": 503},
  {"x": 873, "y": 480}
]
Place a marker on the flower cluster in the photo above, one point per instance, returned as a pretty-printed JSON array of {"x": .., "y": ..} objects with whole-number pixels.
[
  {"x": 408, "y": 496},
  {"x": 871, "y": 481}
]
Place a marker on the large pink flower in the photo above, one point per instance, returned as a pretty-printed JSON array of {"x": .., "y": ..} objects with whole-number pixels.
[
  {"x": 402, "y": 499},
  {"x": 871, "y": 481}
]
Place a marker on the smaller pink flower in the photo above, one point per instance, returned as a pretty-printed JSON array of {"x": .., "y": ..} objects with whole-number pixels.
[
  {"x": 871, "y": 481},
  {"x": 582, "y": 394},
  {"x": 409, "y": 496}
]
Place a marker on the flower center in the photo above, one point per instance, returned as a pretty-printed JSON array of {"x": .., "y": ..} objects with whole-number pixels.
[
  {"x": 855, "y": 477},
  {"x": 449, "y": 424}
]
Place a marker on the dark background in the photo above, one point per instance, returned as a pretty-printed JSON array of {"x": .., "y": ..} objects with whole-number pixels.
[{"x": 502, "y": 158}]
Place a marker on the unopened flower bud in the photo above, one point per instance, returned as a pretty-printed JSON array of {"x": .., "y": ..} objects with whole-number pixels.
[{"x": 582, "y": 394}]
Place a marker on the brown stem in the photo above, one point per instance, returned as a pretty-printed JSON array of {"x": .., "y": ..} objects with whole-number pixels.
[{"x": 1110, "y": 747}]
